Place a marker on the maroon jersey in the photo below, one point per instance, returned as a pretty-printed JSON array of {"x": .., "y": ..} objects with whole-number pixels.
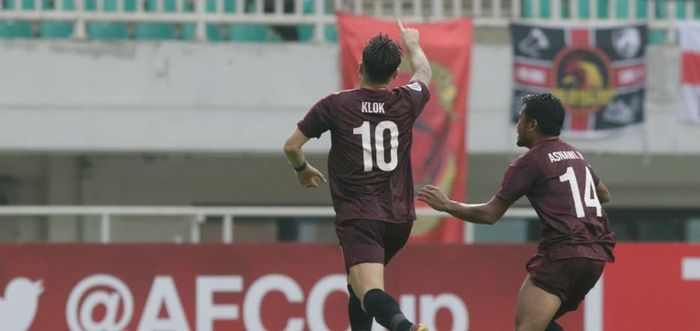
[
  {"x": 560, "y": 185},
  {"x": 369, "y": 164}
]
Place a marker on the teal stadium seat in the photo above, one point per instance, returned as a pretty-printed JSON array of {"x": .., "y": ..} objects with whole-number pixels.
[
  {"x": 656, "y": 36},
  {"x": 16, "y": 29},
  {"x": 54, "y": 29},
  {"x": 306, "y": 32},
  {"x": 659, "y": 36},
  {"x": 108, "y": 30},
  {"x": 236, "y": 32},
  {"x": 251, "y": 32},
  {"x": 214, "y": 32},
  {"x": 158, "y": 31},
  {"x": 583, "y": 11}
]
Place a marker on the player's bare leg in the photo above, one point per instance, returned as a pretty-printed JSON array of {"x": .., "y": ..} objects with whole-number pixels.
[
  {"x": 360, "y": 320},
  {"x": 367, "y": 281},
  {"x": 535, "y": 307},
  {"x": 364, "y": 277}
]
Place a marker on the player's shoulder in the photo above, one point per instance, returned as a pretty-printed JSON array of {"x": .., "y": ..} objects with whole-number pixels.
[
  {"x": 416, "y": 86},
  {"x": 521, "y": 159},
  {"x": 339, "y": 97},
  {"x": 346, "y": 92}
]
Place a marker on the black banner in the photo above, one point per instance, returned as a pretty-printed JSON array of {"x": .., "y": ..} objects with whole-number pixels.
[{"x": 598, "y": 73}]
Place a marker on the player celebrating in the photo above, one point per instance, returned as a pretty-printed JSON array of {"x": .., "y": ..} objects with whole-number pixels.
[
  {"x": 369, "y": 167},
  {"x": 567, "y": 195}
]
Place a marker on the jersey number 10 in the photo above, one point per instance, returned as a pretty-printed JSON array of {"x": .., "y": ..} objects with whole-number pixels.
[
  {"x": 590, "y": 197},
  {"x": 382, "y": 163}
]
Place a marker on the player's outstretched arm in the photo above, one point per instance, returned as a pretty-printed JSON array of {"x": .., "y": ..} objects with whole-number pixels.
[
  {"x": 307, "y": 175},
  {"x": 484, "y": 213},
  {"x": 419, "y": 62}
]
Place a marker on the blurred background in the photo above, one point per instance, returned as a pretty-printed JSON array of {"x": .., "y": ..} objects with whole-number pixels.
[
  {"x": 187, "y": 103},
  {"x": 162, "y": 121}
]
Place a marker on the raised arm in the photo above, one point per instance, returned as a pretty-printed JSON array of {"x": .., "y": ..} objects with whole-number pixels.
[
  {"x": 484, "y": 213},
  {"x": 419, "y": 62}
]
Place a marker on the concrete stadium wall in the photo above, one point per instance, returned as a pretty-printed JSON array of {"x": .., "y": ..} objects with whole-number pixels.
[{"x": 184, "y": 97}]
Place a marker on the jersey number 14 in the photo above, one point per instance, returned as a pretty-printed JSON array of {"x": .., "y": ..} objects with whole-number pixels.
[
  {"x": 590, "y": 197},
  {"x": 365, "y": 132}
]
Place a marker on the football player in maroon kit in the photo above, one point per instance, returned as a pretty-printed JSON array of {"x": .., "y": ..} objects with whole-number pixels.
[
  {"x": 577, "y": 239},
  {"x": 369, "y": 171}
]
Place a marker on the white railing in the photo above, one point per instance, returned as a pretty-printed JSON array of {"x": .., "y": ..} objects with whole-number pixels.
[
  {"x": 320, "y": 12},
  {"x": 197, "y": 215}
]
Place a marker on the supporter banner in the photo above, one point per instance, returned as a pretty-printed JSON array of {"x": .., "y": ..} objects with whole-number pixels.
[
  {"x": 278, "y": 287},
  {"x": 439, "y": 154},
  {"x": 597, "y": 72},
  {"x": 689, "y": 33}
]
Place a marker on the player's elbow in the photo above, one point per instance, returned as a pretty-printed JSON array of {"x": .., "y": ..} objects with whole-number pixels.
[
  {"x": 425, "y": 75},
  {"x": 488, "y": 218},
  {"x": 491, "y": 220},
  {"x": 290, "y": 147}
]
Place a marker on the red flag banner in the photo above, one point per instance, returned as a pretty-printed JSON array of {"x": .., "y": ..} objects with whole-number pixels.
[
  {"x": 438, "y": 155},
  {"x": 689, "y": 37}
]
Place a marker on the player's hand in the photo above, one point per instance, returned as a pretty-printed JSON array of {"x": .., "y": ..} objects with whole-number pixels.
[
  {"x": 409, "y": 36},
  {"x": 434, "y": 197},
  {"x": 310, "y": 177}
]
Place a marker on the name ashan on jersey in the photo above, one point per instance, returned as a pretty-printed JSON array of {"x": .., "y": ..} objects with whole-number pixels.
[
  {"x": 564, "y": 155},
  {"x": 373, "y": 107}
]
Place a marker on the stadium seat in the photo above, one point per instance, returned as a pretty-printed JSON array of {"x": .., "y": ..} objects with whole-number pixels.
[
  {"x": 108, "y": 31},
  {"x": 214, "y": 32},
  {"x": 306, "y": 32},
  {"x": 16, "y": 29},
  {"x": 158, "y": 31},
  {"x": 583, "y": 11},
  {"x": 656, "y": 36},
  {"x": 54, "y": 29},
  {"x": 251, "y": 32}
]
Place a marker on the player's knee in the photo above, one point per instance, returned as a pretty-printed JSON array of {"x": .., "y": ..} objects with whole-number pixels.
[
  {"x": 524, "y": 327},
  {"x": 528, "y": 325}
]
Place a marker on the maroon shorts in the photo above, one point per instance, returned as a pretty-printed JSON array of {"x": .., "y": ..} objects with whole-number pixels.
[
  {"x": 370, "y": 241},
  {"x": 569, "y": 279}
]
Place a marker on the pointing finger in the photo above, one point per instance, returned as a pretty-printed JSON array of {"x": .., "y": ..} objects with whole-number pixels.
[{"x": 398, "y": 22}]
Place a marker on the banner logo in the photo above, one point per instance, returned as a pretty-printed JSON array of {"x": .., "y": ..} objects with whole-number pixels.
[
  {"x": 598, "y": 73},
  {"x": 627, "y": 42},
  {"x": 535, "y": 42},
  {"x": 582, "y": 78},
  {"x": 19, "y": 304},
  {"x": 102, "y": 291}
]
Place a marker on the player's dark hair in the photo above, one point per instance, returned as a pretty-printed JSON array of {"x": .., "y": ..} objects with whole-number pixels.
[
  {"x": 547, "y": 110},
  {"x": 381, "y": 57}
]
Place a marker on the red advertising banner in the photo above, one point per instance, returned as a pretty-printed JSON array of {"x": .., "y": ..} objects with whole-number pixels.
[
  {"x": 438, "y": 155},
  {"x": 653, "y": 287},
  {"x": 302, "y": 287}
]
